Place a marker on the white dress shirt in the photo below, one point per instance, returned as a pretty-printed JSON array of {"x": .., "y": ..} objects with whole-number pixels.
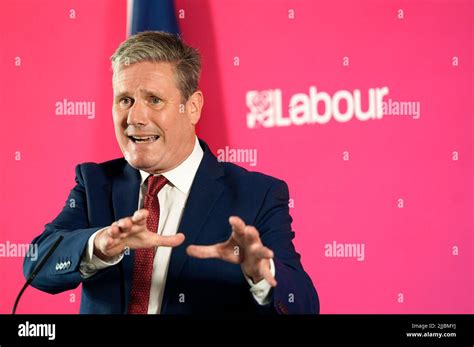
[{"x": 172, "y": 198}]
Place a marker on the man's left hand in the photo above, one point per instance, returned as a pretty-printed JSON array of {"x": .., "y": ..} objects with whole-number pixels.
[{"x": 244, "y": 247}]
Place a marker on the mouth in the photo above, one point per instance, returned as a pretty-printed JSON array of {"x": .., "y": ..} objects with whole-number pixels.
[{"x": 144, "y": 139}]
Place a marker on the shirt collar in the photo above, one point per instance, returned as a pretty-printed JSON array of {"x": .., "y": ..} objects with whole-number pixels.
[{"x": 182, "y": 176}]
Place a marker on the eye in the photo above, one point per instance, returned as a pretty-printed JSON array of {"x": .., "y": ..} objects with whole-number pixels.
[
  {"x": 125, "y": 102},
  {"x": 155, "y": 100}
]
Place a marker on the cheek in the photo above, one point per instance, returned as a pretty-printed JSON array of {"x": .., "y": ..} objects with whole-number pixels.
[
  {"x": 119, "y": 119},
  {"x": 164, "y": 122},
  {"x": 176, "y": 125},
  {"x": 119, "y": 128}
]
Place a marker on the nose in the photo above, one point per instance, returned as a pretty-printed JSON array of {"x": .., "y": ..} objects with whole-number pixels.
[{"x": 137, "y": 114}]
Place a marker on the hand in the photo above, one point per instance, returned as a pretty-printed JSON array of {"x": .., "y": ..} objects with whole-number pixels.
[
  {"x": 244, "y": 247},
  {"x": 130, "y": 232}
]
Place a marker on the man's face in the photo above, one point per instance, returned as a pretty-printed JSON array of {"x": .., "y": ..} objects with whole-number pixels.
[{"x": 154, "y": 130}]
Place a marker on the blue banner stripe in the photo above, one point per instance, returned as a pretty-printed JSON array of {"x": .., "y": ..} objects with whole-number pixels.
[{"x": 154, "y": 15}]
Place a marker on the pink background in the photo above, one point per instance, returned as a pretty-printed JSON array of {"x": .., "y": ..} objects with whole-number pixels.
[{"x": 408, "y": 250}]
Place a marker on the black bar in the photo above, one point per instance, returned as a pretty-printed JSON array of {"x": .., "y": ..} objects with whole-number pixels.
[{"x": 326, "y": 330}]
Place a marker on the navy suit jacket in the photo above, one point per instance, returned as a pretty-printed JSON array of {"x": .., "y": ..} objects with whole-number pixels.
[{"x": 109, "y": 191}]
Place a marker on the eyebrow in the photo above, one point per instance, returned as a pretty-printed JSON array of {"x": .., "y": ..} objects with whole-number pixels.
[
  {"x": 120, "y": 95},
  {"x": 146, "y": 92}
]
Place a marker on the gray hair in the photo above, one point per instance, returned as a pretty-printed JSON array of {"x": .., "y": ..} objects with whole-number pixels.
[{"x": 158, "y": 46}]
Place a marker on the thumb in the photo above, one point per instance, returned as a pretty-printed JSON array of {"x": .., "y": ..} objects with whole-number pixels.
[
  {"x": 168, "y": 241},
  {"x": 203, "y": 252}
]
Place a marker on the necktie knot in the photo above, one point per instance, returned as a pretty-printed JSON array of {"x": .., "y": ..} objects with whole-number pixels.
[{"x": 155, "y": 183}]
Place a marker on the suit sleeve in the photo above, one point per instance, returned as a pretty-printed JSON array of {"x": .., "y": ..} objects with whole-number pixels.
[
  {"x": 295, "y": 292},
  {"x": 61, "y": 271}
]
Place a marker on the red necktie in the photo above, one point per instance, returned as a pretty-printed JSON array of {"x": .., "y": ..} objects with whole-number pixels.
[{"x": 143, "y": 263}]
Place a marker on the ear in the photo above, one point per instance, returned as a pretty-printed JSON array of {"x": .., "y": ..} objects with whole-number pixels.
[{"x": 194, "y": 106}]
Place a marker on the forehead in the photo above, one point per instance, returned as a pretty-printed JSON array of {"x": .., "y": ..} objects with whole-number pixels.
[{"x": 144, "y": 75}]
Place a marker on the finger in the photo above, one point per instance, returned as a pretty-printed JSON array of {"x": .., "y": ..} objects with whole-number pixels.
[
  {"x": 252, "y": 235},
  {"x": 238, "y": 225},
  {"x": 140, "y": 216},
  {"x": 113, "y": 231},
  {"x": 203, "y": 252},
  {"x": 132, "y": 225},
  {"x": 267, "y": 274},
  {"x": 110, "y": 241},
  {"x": 125, "y": 224},
  {"x": 168, "y": 241},
  {"x": 136, "y": 229},
  {"x": 263, "y": 253}
]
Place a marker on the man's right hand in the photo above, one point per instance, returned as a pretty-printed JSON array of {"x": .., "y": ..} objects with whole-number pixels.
[{"x": 130, "y": 232}]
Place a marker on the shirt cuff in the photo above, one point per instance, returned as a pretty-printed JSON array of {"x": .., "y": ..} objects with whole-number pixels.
[
  {"x": 261, "y": 290},
  {"x": 90, "y": 263}
]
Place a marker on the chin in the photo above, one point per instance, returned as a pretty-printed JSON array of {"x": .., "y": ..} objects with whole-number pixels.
[
  {"x": 140, "y": 164},
  {"x": 145, "y": 164}
]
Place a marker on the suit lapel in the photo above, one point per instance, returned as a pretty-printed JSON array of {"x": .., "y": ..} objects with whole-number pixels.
[
  {"x": 125, "y": 194},
  {"x": 204, "y": 193}
]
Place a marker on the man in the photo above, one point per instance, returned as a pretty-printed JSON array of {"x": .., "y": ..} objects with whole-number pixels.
[{"x": 168, "y": 228}]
